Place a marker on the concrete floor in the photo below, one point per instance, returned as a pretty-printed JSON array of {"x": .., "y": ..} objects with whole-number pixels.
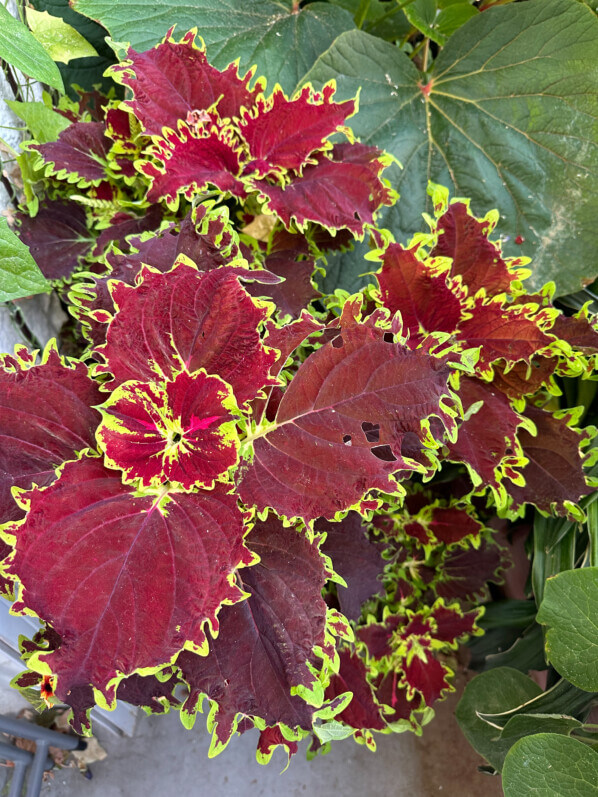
[{"x": 164, "y": 759}]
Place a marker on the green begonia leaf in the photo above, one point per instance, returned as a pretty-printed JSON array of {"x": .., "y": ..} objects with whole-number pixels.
[
  {"x": 570, "y": 612},
  {"x": 21, "y": 49},
  {"x": 550, "y": 765},
  {"x": 61, "y": 41},
  {"x": 43, "y": 122},
  {"x": 508, "y": 116},
  {"x": 492, "y": 692},
  {"x": 383, "y": 19},
  {"x": 439, "y": 20},
  {"x": 284, "y": 43},
  {"x": 19, "y": 273}
]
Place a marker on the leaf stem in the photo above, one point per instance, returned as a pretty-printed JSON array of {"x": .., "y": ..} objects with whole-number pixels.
[{"x": 12, "y": 81}]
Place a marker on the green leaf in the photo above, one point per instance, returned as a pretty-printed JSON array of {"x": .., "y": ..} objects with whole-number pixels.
[
  {"x": 570, "y": 612},
  {"x": 20, "y": 49},
  {"x": 347, "y": 270},
  {"x": 527, "y": 724},
  {"x": 43, "y": 123},
  {"x": 492, "y": 692},
  {"x": 549, "y": 765},
  {"x": 438, "y": 20},
  {"x": 19, "y": 273},
  {"x": 510, "y": 118},
  {"x": 83, "y": 72},
  {"x": 61, "y": 41},
  {"x": 383, "y": 19},
  {"x": 282, "y": 42}
]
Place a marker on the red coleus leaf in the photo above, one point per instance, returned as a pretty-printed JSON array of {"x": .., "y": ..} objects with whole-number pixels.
[
  {"x": 188, "y": 161},
  {"x": 451, "y": 623},
  {"x": 464, "y": 574},
  {"x": 343, "y": 190},
  {"x": 275, "y": 632},
  {"x": 488, "y": 438},
  {"x": 449, "y": 524},
  {"x": 390, "y": 692},
  {"x": 419, "y": 291},
  {"x": 341, "y": 423},
  {"x": 79, "y": 155},
  {"x": 180, "y": 431},
  {"x": 356, "y": 559},
  {"x": 297, "y": 291},
  {"x": 122, "y": 225},
  {"x": 46, "y": 417},
  {"x": 509, "y": 334},
  {"x": 270, "y": 739},
  {"x": 423, "y": 673},
  {"x": 523, "y": 379},
  {"x": 477, "y": 260},
  {"x": 282, "y": 134},
  {"x": 554, "y": 477},
  {"x": 150, "y": 572},
  {"x": 58, "y": 237},
  {"x": 174, "y": 79},
  {"x": 187, "y": 320},
  {"x": 578, "y": 331},
  {"x": 362, "y": 711},
  {"x": 149, "y": 692}
]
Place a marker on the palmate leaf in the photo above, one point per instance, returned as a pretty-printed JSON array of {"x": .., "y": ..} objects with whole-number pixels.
[
  {"x": 150, "y": 572},
  {"x": 282, "y": 40},
  {"x": 46, "y": 418},
  {"x": 340, "y": 191},
  {"x": 279, "y": 632},
  {"x": 181, "y": 431},
  {"x": 174, "y": 79},
  {"x": 187, "y": 320},
  {"x": 507, "y": 117},
  {"x": 342, "y": 422}
]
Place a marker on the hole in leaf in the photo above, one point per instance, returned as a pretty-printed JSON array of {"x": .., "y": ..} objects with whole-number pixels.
[
  {"x": 338, "y": 342},
  {"x": 177, "y": 437},
  {"x": 372, "y": 431},
  {"x": 384, "y": 453},
  {"x": 389, "y": 337},
  {"x": 346, "y": 439}
]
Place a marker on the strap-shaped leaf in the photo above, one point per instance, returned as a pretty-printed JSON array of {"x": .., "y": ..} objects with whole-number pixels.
[
  {"x": 125, "y": 580},
  {"x": 342, "y": 423}
]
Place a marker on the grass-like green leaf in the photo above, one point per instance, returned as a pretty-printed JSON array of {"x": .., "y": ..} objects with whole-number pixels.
[
  {"x": 283, "y": 42},
  {"x": 20, "y": 49},
  {"x": 19, "y": 273},
  {"x": 550, "y": 765},
  {"x": 44, "y": 123},
  {"x": 508, "y": 116},
  {"x": 570, "y": 612}
]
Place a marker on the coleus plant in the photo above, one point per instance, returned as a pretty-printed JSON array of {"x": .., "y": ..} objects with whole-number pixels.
[{"x": 235, "y": 487}]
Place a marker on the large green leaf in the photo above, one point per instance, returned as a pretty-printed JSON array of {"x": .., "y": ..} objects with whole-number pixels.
[
  {"x": 20, "y": 49},
  {"x": 492, "y": 692},
  {"x": 509, "y": 116},
  {"x": 570, "y": 610},
  {"x": 84, "y": 72},
  {"x": 281, "y": 41},
  {"x": 550, "y": 765},
  {"x": 19, "y": 273},
  {"x": 44, "y": 123}
]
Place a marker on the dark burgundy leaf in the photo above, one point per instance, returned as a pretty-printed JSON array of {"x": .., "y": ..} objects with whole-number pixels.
[
  {"x": 451, "y": 623},
  {"x": 149, "y": 692},
  {"x": 46, "y": 418},
  {"x": 80, "y": 152},
  {"x": 578, "y": 331},
  {"x": 424, "y": 673},
  {"x": 362, "y": 711},
  {"x": 356, "y": 559},
  {"x": 296, "y": 292},
  {"x": 463, "y": 574},
  {"x": 58, "y": 237},
  {"x": 274, "y": 632},
  {"x": 554, "y": 477}
]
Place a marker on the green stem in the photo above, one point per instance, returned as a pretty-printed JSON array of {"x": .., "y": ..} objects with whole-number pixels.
[{"x": 362, "y": 13}]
